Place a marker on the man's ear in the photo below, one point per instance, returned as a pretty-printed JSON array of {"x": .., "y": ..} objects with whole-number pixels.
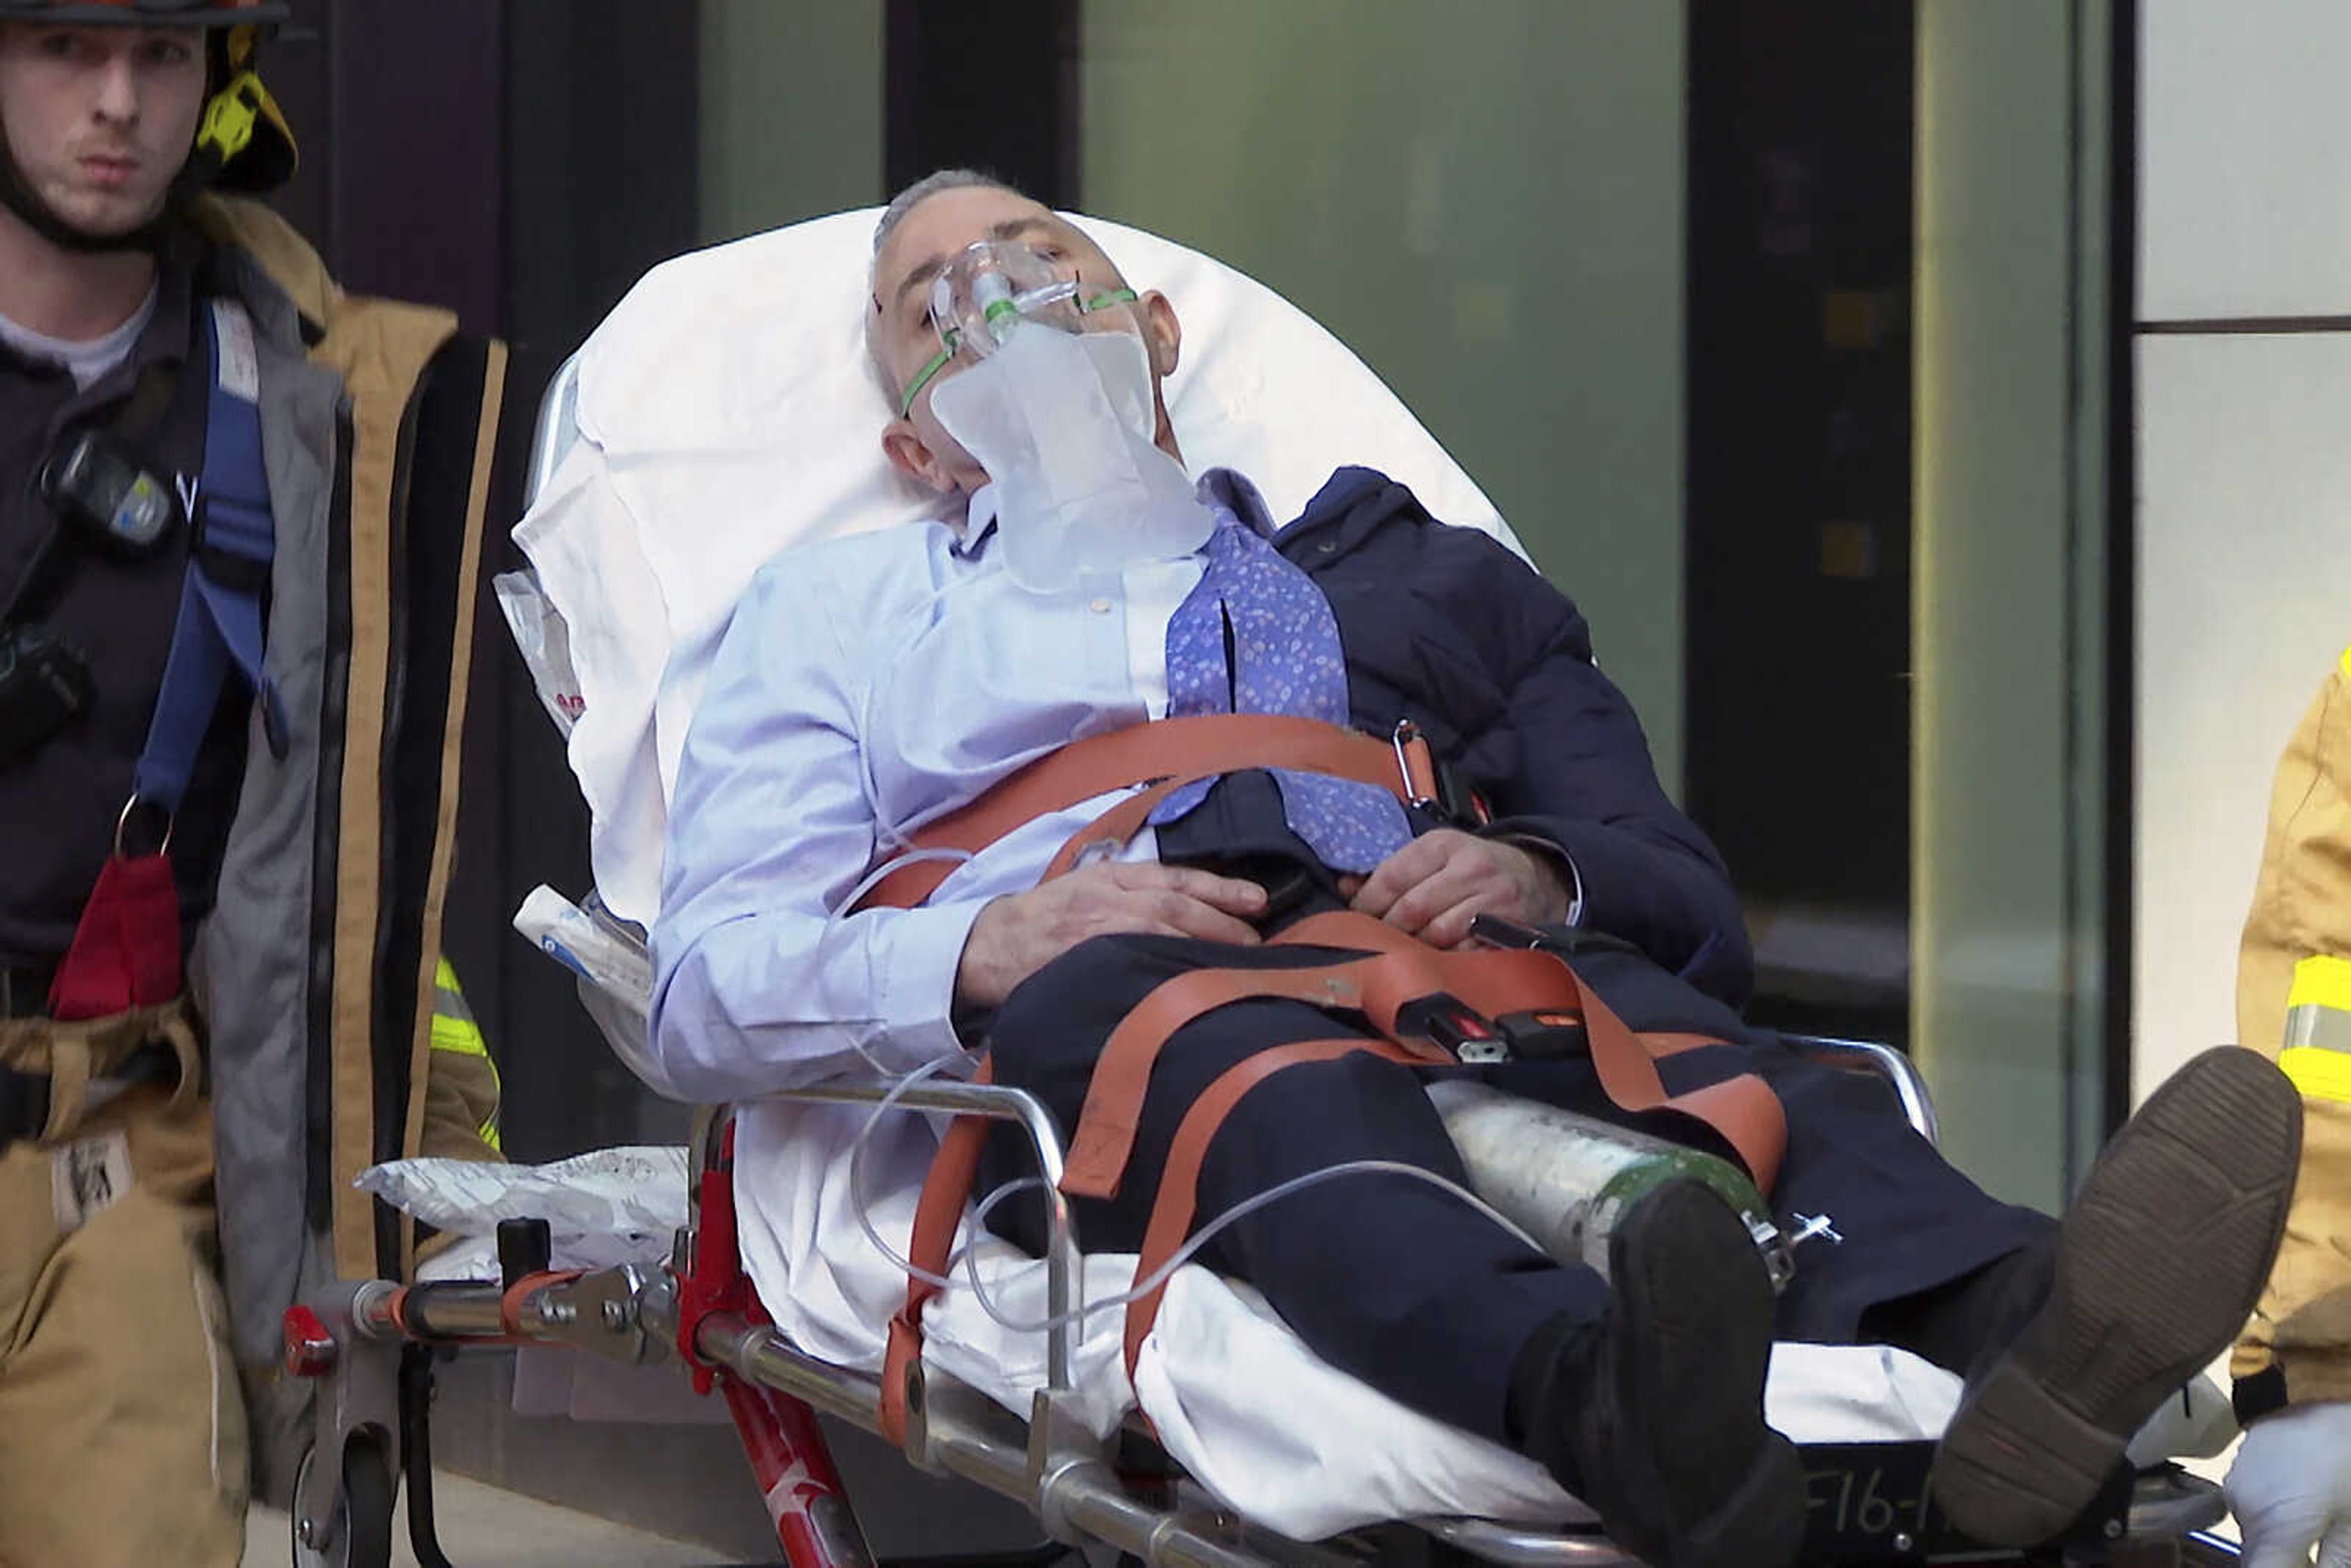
[
  {"x": 1162, "y": 331},
  {"x": 903, "y": 445}
]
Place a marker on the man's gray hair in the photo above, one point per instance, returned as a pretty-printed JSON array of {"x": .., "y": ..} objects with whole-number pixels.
[
  {"x": 930, "y": 185},
  {"x": 905, "y": 201}
]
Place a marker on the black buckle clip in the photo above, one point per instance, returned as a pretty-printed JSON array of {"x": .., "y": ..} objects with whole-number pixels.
[
  {"x": 1562, "y": 941},
  {"x": 1543, "y": 1035},
  {"x": 1445, "y": 1022},
  {"x": 1497, "y": 932}
]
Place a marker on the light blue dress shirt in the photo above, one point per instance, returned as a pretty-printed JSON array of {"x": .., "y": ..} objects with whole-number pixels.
[{"x": 866, "y": 687}]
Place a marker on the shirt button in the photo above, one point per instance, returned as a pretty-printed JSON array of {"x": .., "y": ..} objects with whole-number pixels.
[{"x": 1100, "y": 606}]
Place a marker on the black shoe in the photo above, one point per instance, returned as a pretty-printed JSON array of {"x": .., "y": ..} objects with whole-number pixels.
[
  {"x": 1655, "y": 1416},
  {"x": 2158, "y": 1264}
]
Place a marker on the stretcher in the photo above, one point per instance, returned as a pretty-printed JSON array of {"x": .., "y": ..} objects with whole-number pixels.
[
  {"x": 370, "y": 1345},
  {"x": 1104, "y": 1487}
]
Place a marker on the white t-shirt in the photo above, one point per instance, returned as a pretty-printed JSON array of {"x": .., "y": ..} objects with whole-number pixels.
[{"x": 88, "y": 359}]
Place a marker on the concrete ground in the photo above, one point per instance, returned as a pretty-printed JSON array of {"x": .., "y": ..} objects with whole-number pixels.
[
  {"x": 515, "y": 1490},
  {"x": 481, "y": 1527}
]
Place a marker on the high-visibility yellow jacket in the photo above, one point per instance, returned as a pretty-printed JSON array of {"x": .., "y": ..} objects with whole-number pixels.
[
  {"x": 2294, "y": 996},
  {"x": 461, "y": 1083}
]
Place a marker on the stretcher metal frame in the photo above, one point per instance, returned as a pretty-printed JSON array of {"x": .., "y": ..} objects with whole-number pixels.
[{"x": 369, "y": 1345}]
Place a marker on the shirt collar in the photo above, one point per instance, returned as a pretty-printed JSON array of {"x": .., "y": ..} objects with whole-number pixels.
[
  {"x": 1224, "y": 489},
  {"x": 163, "y": 335}
]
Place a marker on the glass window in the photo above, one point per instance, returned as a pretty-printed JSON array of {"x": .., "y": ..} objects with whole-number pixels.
[{"x": 1490, "y": 215}]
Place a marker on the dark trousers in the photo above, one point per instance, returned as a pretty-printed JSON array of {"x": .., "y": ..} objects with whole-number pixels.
[{"x": 1399, "y": 1283}]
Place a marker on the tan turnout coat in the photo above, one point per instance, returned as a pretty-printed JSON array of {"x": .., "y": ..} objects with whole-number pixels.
[{"x": 2296, "y": 957}]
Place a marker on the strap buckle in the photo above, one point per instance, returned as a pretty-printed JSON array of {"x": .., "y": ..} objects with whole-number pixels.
[
  {"x": 1430, "y": 784},
  {"x": 1565, "y": 942},
  {"x": 1543, "y": 1035},
  {"x": 1445, "y": 1022},
  {"x": 1416, "y": 766}
]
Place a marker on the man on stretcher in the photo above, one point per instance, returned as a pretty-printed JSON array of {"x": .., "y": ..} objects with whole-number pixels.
[{"x": 852, "y": 884}]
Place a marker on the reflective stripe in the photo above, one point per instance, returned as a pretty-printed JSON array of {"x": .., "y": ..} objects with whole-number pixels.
[
  {"x": 2320, "y": 1073},
  {"x": 449, "y": 998},
  {"x": 460, "y": 1036},
  {"x": 454, "y": 1031},
  {"x": 454, "y": 1028},
  {"x": 2317, "y": 1054},
  {"x": 2323, "y": 980},
  {"x": 2344, "y": 663},
  {"x": 2313, "y": 1027}
]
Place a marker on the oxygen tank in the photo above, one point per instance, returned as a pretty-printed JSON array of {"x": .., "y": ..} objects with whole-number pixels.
[{"x": 1567, "y": 1180}]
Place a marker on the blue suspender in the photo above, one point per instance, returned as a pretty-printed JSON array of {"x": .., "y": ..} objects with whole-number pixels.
[{"x": 229, "y": 550}]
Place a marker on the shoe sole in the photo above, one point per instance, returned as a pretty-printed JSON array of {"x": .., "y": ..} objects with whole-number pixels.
[
  {"x": 1700, "y": 1317},
  {"x": 2159, "y": 1263}
]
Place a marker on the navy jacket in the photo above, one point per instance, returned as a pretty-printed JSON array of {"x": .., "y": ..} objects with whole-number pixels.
[{"x": 1446, "y": 627}]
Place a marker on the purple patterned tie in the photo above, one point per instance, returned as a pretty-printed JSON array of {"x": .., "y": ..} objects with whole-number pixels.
[{"x": 1285, "y": 659}]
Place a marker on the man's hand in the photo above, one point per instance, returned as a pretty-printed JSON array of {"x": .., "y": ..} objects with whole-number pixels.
[
  {"x": 1021, "y": 933},
  {"x": 2290, "y": 1487},
  {"x": 1434, "y": 884}
]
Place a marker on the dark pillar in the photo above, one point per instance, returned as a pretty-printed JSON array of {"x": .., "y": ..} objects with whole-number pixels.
[
  {"x": 1797, "y": 752},
  {"x": 992, "y": 88},
  {"x": 599, "y": 124}
]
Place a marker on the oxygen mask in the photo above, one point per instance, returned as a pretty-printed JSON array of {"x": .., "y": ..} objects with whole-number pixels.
[
  {"x": 1063, "y": 419},
  {"x": 990, "y": 288}
]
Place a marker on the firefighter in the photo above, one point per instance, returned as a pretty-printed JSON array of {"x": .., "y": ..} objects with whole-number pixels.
[{"x": 222, "y": 842}]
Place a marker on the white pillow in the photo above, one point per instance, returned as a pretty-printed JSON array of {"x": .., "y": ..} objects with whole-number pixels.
[{"x": 727, "y": 410}]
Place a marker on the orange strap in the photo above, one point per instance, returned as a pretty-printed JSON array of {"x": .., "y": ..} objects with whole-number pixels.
[
  {"x": 1179, "y": 1183},
  {"x": 945, "y": 1190},
  {"x": 1165, "y": 755},
  {"x": 1742, "y": 1110},
  {"x": 1172, "y": 1212}
]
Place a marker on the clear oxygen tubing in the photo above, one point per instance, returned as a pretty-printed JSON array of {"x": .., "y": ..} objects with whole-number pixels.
[
  {"x": 857, "y": 1201},
  {"x": 865, "y": 883},
  {"x": 1207, "y": 1233},
  {"x": 1198, "y": 1239}
]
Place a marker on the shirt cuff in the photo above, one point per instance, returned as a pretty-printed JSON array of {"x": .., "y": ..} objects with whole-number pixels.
[
  {"x": 1562, "y": 861},
  {"x": 917, "y": 977}
]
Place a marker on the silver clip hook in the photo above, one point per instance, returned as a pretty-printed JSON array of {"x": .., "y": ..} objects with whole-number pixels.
[{"x": 1406, "y": 732}]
